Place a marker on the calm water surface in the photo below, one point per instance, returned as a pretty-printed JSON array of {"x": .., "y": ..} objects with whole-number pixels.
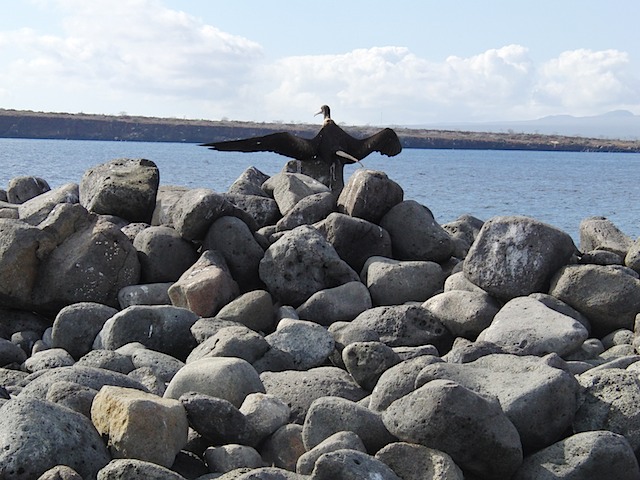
[{"x": 560, "y": 188}]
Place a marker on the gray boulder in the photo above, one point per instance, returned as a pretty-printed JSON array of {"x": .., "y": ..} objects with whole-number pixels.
[
  {"x": 265, "y": 413},
  {"x": 226, "y": 458},
  {"x": 355, "y": 239},
  {"x": 441, "y": 415},
  {"x": 608, "y": 296},
  {"x": 586, "y": 455},
  {"x": 415, "y": 234},
  {"x": 124, "y": 187},
  {"x": 345, "y": 333},
  {"x": 307, "y": 211},
  {"x": 163, "y": 328},
  {"x": 262, "y": 210},
  {"x": 37, "y": 209},
  {"x": 47, "y": 359},
  {"x": 417, "y": 462},
  {"x": 299, "y": 389},
  {"x": 538, "y": 399},
  {"x": 632, "y": 259},
  {"x": 121, "y": 468},
  {"x": 287, "y": 189},
  {"x": 348, "y": 464},
  {"x": 301, "y": 263},
  {"x": 599, "y": 233},
  {"x": 249, "y": 183},
  {"x": 145, "y": 294},
  {"x": 91, "y": 265},
  {"x": 515, "y": 256},
  {"x": 239, "y": 342},
  {"x": 337, "y": 441},
  {"x": 282, "y": 450},
  {"x": 367, "y": 361},
  {"x": 166, "y": 199},
  {"x": 465, "y": 314},
  {"x": 369, "y": 195},
  {"x": 60, "y": 472},
  {"x": 164, "y": 366},
  {"x": 253, "y": 309},
  {"x": 72, "y": 395},
  {"x": 463, "y": 232},
  {"x": 342, "y": 303},
  {"x": 459, "y": 281},
  {"x": 108, "y": 360},
  {"x": 405, "y": 325},
  {"x": 394, "y": 282},
  {"x": 308, "y": 343},
  {"x": 164, "y": 255},
  {"x": 36, "y": 435},
  {"x": 21, "y": 189},
  {"x": 76, "y": 326},
  {"x": 525, "y": 326},
  {"x": 232, "y": 238},
  {"x": 11, "y": 353}
]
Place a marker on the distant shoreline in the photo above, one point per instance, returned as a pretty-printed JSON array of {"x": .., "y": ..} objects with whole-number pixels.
[{"x": 81, "y": 126}]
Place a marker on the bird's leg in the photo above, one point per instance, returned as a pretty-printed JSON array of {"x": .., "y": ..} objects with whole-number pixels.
[{"x": 343, "y": 154}]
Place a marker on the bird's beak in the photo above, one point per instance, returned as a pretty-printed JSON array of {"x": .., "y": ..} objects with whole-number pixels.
[{"x": 317, "y": 113}]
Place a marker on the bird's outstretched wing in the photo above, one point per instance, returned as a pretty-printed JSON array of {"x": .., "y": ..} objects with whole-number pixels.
[
  {"x": 386, "y": 142},
  {"x": 283, "y": 143}
]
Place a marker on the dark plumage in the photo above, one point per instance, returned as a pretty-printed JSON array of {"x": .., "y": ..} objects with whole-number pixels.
[{"x": 332, "y": 146}]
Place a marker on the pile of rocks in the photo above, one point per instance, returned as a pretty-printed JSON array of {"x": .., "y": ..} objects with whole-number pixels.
[{"x": 278, "y": 332}]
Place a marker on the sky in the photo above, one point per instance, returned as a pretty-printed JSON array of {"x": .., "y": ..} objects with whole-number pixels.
[{"x": 373, "y": 62}]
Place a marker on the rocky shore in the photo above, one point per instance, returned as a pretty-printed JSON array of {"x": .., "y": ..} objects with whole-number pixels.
[{"x": 275, "y": 331}]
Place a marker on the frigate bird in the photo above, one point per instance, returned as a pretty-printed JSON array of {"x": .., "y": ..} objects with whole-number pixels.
[{"x": 323, "y": 156}]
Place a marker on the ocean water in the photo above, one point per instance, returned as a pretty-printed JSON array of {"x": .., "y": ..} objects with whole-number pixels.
[{"x": 559, "y": 188}]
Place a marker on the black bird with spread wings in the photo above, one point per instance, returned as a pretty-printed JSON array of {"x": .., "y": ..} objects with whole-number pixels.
[{"x": 323, "y": 156}]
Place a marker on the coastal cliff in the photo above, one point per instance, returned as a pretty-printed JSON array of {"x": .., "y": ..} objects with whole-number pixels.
[{"x": 80, "y": 126}]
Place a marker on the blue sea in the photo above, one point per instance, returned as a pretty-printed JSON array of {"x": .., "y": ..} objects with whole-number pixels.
[{"x": 559, "y": 188}]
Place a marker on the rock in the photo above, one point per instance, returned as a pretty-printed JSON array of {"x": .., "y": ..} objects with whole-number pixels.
[
  {"x": 72, "y": 395},
  {"x": 621, "y": 336},
  {"x": 95, "y": 261},
  {"x": 240, "y": 342},
  {"x": 249, "y": 183},
  {"x": 342, "y": 303},
  {"x": 329, "y": 415},
  {"x": 231, "y": 379},
  {"x": 76, "y": 326},
  {"x": 54, "y": 203},
  {"x": 21, "y": 189},
  {"x": 26, "y": 339},
  {"x": 345, "y": 333},
  {"x": 232, "y": 456},
  {"x": 610, "y": 400},
  {"x": 164, "y": 255},
  {"x": 415, "y": 235},
  {"x": 417, "y": 462},
  {"x": 393, "y": 282},
  {"x": 166, "y": 199},
  {"x": 131, "y": 230},
  {"x": 265, "y": 413},
  {"x": 284, "y": 447},
  {"x": 607, "y": 296},
  {"x": 300, "y": 264},
  {"x": 458, "y": 281},
  {"x": 108, "y": 360},
  {"x": 231, "y": 238},
  {"x": 308, "y": 210},
  {"x": 300, "y": 389},
  {"x": 337, "y": 441},
  {"x": 60, "y": 472},
  {"x": 308, "y": 343},
  {"x": 632, "y": 259},
  {"x": 366, "y": 361},
  {"x": 140, "y": 425},
  {"x": 601, "y": 257},
  {"x": 205, "y": 287},
  {"x": 12, "y": 320},
  {"x": 405, "y": 325},
  {"x": 369, "y": 195},
  {"x": 465, "y": 228},
  {"x": 253, "y": 309},
  {"x": 52, "y": 358},
  {"x": 596, "y": 454},
  {"x": 147, "y": 294},
  {"x": 397, "y": 381},
  {"x": 163, "y": 365},
  {"x": 207, "y": 327},
  {"x": 11, "y": 353},
  {"x": 355, "y": 239},
  {"x": 124, "y": 187},
  {"x": 123, "y": 468},
  {"x": 36, "y": 435},
  {"x": 164, "y": 328},
  {"x": 217, "y": 420},
  {"x": 350, "y": 465},
  {"x": 463, "y": 313},
  {"x": 262, "y": 210},
  {"x": 22, "y": 248},
  {"x": 538, "y": 399},
  {"x": 38, "y": 384},
  {"x": 525, "y": 326},
  {"x": 441, "y": 415},
  {"x": 515, "y": 256},
  {"x": 288, "y": 189},
  {"x": 147, "y": 377},
  {"x": 599, "y": 233}
]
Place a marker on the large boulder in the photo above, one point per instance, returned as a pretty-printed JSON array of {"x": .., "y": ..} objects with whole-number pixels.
[
  {"x": 599, "y": 233},
  {"x": 308, "y": 210},
  {"x": 302, "y": 263},
  {"x": 515, "y": 256},
  {"x": 369, "y": 195},
  {"x": 21, "y": 189},
  {"x": 124, "y": 187},
  {"x": 288, "y": 189},
  {"x": 341, "y": 303},
  {"x": 164, "y": 255},
  {"x": 607, "y": 295},
  {"x": 38, "y": 208}
]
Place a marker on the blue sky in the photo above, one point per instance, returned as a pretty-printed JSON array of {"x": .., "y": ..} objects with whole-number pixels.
[{"x": 373, "y": 62}]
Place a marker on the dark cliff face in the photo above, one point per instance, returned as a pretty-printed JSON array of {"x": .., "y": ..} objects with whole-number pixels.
[{"x": 25, "y": 124}]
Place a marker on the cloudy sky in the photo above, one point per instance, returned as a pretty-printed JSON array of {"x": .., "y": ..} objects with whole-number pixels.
[{"x": 374, "y": 62}]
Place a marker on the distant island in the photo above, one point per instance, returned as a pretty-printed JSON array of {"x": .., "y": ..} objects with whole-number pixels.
[{"x": 82, "y": 126}]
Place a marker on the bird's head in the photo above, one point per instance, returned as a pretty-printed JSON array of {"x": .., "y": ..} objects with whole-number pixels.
[{"x": 324, "y": 109}]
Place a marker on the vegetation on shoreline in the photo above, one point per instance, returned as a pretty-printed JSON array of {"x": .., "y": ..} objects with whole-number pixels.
[{"x": 81, "y": 126}]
